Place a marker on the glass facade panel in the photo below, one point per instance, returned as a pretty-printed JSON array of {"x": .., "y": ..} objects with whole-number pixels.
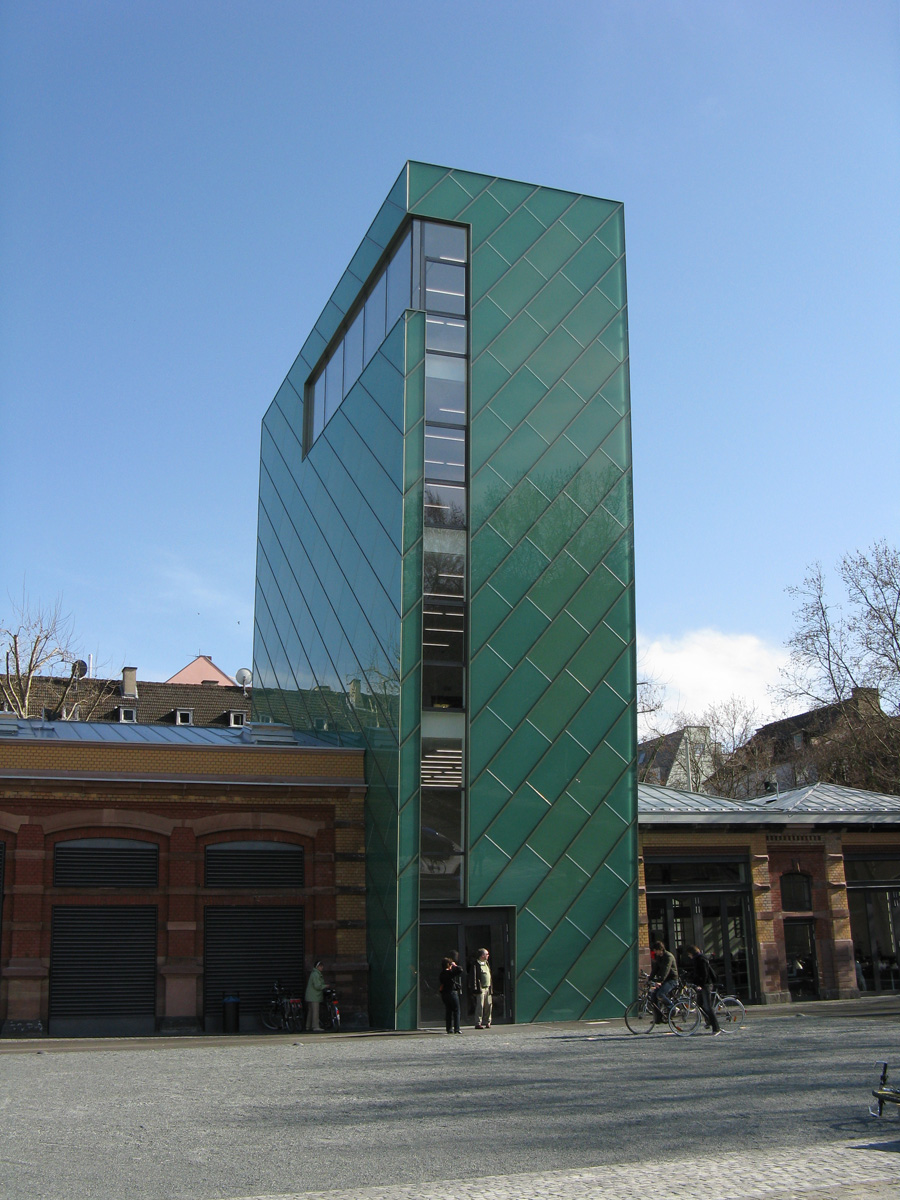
[
  {"x": 447, "y": 242},
  {"x": 445, "y": 389},
  {"x": 446, "y": 333},
  {"x": 374, "y": 331},
  {"x": 443, "y": 632},
  {"x": 442, "y": 855},
  {"x": 334, "y": 385},
  {"x": 353, "y": 352},
  {"x": 318, "y": 397},
  {"x": 416, "y": 296},
  {"x": 445, "y": 506},
  {"x": 399, "y": 281},
  {"x": 443, "y": 686},
  {"x": 445, "y": 574},
  {"x": 445, "y": 455},
  {"x": 445, "y": 288}
]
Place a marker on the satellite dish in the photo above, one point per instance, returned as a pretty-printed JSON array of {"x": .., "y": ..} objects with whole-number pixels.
[
  {"x": 79, "y": 668},
  {"x": 244, "y": 677}
]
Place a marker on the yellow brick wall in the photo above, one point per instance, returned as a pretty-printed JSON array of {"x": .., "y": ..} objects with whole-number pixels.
[{"x": 299, "y": 762}]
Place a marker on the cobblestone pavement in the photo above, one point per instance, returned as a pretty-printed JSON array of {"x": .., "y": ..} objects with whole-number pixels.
[
  {"x": 775, "y": 1111},
  {"x": 855, "y": 1171}
]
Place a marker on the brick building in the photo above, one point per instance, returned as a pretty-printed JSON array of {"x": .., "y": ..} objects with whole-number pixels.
[
  {"x": 794, "y": 896},
  {"x": 146, "y": 870}
]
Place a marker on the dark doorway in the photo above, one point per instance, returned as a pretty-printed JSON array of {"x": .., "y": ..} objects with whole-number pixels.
[
  {"x": 802, "y": 963},
  {"x": 465, "y": 932}
]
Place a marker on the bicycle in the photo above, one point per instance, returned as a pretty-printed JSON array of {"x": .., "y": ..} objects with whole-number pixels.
[
  {"x": 283, "y": 1012},
  {"x": 644, "y": 1014},
  {"x": 329, "y": 1012},
  {"x": 728, "y": 1009}
]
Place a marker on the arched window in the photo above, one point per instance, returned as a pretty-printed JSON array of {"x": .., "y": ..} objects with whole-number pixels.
[{"x": 796, "y": 892}]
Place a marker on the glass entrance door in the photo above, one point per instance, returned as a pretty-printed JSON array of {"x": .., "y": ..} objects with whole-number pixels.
[
  {"x": 875, "y": 925},
  {"x": 719, "y": 924},
  {"x": 464, "y": 933}
]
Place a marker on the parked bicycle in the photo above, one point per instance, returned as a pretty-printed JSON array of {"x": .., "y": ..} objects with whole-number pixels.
[
  {"x": 283, "y": 1012},
  {"x": 329, "y": 1012},
  {"x": 678, "y": 1010}
]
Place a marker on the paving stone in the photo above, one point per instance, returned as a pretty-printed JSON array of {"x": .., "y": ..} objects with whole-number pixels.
[{"x": 840, "y": 1172}]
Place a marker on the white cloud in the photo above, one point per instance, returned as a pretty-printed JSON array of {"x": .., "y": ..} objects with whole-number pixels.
[{"x": 705, "y": 666}]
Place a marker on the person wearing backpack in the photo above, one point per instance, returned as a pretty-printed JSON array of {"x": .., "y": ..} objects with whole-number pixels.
[{"x": 705, "y": 981}]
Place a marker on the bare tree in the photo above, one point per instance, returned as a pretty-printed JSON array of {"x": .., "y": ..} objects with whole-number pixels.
[
  {"x": 651, "y": 697},
  {"x": 845, "y": 661},
  {"x": 742, "y": 760},
  {"x": 852, "y": 643},
  {"x": 36, "y": 643}
]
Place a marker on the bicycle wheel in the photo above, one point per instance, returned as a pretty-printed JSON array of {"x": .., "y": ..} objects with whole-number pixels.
[
  {"x": 729, "y": 1012},
  {"x": 271, "y": 1016},
  {"x": 684, "y": 1018},
  {"x": 335, "y": 1019},
  {"x": 640, "y": 1016}
]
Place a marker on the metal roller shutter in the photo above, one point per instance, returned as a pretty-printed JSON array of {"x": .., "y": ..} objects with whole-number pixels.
[
  {"x": 106, "y": 862},
  {"x": 245, "y": 950},
  {"x": 103, "y": 970},
  {"x": 254, "y": 865}
]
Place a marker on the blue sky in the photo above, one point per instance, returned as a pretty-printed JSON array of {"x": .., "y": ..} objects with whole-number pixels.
[{"x": 183, "y": 183}]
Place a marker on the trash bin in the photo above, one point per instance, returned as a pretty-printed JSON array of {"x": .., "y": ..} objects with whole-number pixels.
[{"x": 231, "y": 1012}]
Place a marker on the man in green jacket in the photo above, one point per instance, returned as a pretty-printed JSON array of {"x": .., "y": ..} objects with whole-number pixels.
[
  {"x": 315, "y": 990},
  {"x": 663, "y": 978}
]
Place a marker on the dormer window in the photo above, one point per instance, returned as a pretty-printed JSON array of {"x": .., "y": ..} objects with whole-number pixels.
[
  {"x": 236, "y": 719},
  {"x": 184, "y": 716},
  {"x": 127, "y": 716}
]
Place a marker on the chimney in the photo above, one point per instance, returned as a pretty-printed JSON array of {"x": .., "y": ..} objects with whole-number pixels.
[
  {"x": 355, "y": 692},
  {"x": 129, "y": 681}
]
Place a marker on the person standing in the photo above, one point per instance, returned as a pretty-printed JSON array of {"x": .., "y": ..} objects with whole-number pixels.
[
  {"x": 484, "y": 990},
  {"x": 451, "y": 990},
  {"x": 315, "y": 990},
  {"x": 704, "y": 979}
]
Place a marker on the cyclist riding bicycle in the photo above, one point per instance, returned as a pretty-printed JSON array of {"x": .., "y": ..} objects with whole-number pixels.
[{"x": 663, "y": 978}]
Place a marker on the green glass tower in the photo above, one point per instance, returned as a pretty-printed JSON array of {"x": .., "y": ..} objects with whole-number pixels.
[{"x": 445, "y": 578}]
